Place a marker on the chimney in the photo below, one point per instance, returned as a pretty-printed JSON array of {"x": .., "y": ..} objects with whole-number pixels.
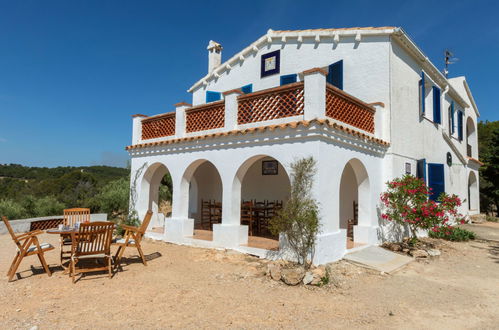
[{"x": 214, "y": 55}]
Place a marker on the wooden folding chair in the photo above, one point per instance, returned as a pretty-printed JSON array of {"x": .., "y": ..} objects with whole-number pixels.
[
  {"x": 27, "y": 245},
  {"x": 205, "y": 213},
  {"x": 247, "y": 216},
  {"x": 132, "y": 238},
  {"x": 93, "y": 241},
  {"x": 70, "y": 218}
]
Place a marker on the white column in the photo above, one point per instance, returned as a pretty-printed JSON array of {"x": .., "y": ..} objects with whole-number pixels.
[
  {"x": 137, "y": 128},
  {"x": 381, "y": 122},
  {"x": 179, "y": 225},
  {"x": 230, "y": 233},
  {"x": 231, "y": 108},
  {"x": 180, "y": 118},
  {"x": 315, "y": 93}
]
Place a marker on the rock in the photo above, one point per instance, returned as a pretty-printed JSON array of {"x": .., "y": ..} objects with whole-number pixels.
[
  {"x": 293, "y": 276},
  {"x": 419, "y": 253},
  {"x": 35, "y": 327},
  {"x": 405, "y": 250},
  {"x": 274, "y": 271},
  {"x": 433, "y": 252},
  {"x": 478, "y": 218},
  {"x": 308, "y": 278}
]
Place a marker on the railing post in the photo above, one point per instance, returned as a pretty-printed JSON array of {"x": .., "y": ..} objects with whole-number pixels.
[
  {"x": 231, "y": 108},
  {"x": 314, "y": 93},
  {"x": 180, "y": 118},
  {"x": 381, "y": 124},
  {"x": 137, "y": 128}
]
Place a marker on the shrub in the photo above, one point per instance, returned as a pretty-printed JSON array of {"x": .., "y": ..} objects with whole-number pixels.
[
  {"x": 451, "y": 233},
  {"x": 299, "y": 218},
  {"x": 406, "y": 203},
  {"x": 48, "y": 205},
  {"x": 11, "y": 209}
]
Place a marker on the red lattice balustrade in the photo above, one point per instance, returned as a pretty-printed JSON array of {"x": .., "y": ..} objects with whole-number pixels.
[
  {"x": 205, "y": 117},
  {"x": 45, "y": 224},
  {"x": 349, "y": 110},
  {"x": 279, "y": 102},
  {"x": 158, "y": 126}
]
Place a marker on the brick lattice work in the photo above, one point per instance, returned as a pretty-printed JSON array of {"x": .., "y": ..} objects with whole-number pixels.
[
  {"x": 45, "y": 224},
  {"x": 280, "y": 102},
  {"x": 158, "y": 126},
  {"x": 349, "y": 110},
  {"x": 205, "y": 117}
]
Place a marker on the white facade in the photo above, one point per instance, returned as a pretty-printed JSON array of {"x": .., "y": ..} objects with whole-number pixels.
[{"x": 381, "y": 70}]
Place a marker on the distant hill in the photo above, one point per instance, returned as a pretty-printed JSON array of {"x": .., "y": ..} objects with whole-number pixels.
[{"x": 103, "y": 174}]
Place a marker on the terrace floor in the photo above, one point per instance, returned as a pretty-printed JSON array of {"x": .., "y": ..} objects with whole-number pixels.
[{"x": 187, "y": 287}]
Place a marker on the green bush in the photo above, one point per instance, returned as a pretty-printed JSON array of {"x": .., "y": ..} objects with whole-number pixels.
[
  {"x": 11, "y": 209},
  {"x": 47, "y": 206},
  {"x": 299, "y": 218},
  {"x": 453, "y": 234}
]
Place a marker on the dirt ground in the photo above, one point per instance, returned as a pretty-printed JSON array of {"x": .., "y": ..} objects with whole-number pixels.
[{"x": 185, "y": 287}]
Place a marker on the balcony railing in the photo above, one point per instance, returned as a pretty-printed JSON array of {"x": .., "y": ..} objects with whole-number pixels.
[
  {"x": 158, "y": 126},
  {"x": 347, "y": 109},
  {"x": 205, "y": 117},
  {"x": 280, "y": 102},
  {"x": 283, "y": 103}
]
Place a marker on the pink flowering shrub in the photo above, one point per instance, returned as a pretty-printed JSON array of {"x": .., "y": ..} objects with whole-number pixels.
[{"x": 406, "y": 202}]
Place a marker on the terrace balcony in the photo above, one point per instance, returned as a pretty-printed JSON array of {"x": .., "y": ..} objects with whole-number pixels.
[{"x": 300, "y": 102}]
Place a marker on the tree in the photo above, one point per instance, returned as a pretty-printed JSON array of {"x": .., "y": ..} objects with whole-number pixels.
[
  {"x": 488, "y": 148},
  {"x": 299, "y": 218}
]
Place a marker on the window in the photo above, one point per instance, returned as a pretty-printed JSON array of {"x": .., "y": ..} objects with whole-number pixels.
[
  {"x": 213, "y": 96},
  {"x": 436, "y": 180},
  {"x": 421, "y": 169},
  {"x": 288, "y": 79},
  {"x": 437, "y": 115},
  {"x": 460, "y": 125},
  {"x": 451, "y": 118},
  {"x": 247, "y": 89},
  {"x": 335, "y": 74},
  {"x": 422, "y": 94}
]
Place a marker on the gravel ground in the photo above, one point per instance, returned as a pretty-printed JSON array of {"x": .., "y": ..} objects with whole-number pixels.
[{"x": 185, "y": 287}]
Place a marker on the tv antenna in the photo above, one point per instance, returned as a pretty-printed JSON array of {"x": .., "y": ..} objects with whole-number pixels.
[{"x": 449, "y": 59}]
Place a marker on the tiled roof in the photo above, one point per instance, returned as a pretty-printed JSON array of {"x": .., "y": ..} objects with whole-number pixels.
[
  {"x": 304, "y": 123},
  {"x": 340, "y": 29},
  {"x": 475, "y": 160}
]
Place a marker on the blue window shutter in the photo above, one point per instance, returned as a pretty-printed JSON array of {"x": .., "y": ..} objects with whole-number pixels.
[
  {"x": 460, "y": 125},
  {"x": 452, "y": 129},
  {"x": 247, "y": 89},
  {"x": 423, "y": 92},
  {"x": 436, "y": 179},
  {"x": 288, "y": 79},
  {"x": 335, "y": 74},
  {"x": 437, "y": 117},
  {"x": 213, "y": 96},
  {"x": 421, "y": 169}
]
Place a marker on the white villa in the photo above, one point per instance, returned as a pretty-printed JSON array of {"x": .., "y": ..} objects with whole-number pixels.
[{"x": 366, "y": 103}]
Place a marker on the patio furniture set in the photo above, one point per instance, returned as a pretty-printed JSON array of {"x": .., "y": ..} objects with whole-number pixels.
[{"x": 82, "y": 244}]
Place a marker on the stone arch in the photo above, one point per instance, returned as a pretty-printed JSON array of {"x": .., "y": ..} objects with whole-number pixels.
[
  {"x": 250, "y": 184},
  {"x": 149, "y": 192},
  {"x": 472, "y": 191},
  {"x": 471, "y": 138},
  {"x": 354, "y": 196},
  {"x": 201, "y": 181}
]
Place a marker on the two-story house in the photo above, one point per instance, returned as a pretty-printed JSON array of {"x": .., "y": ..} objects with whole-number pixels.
[{"x": 365, "y": 103}]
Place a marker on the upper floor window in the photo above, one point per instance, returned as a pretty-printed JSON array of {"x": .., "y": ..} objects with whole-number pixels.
[
  {"x": 213, "y": 96},
  {"x": 246, "y": 89},
  {"x": 289, "y": 79},
  {"x": 335, "y": 74},
  {"x": 437, "y": 115}
]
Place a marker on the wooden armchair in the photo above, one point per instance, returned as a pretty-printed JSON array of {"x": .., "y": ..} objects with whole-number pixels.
[
  {"x": 70, "y": 218},
  {"x": 93, "y": 241},
  {"x": 247, "y": 216},
  {"x": 27, "y": 245},
  {"x": 132, "y": 238}
]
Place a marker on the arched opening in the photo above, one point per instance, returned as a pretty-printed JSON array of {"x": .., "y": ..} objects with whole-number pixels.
[
  {"x": 204, "y": 203},
  {"x": 472, "y": 192},
  {"x": 470, "y": 138},
  {"x": 261, "y": 188},
  {"x": 156, "y": 195},
  {"x": 354, "y": 199}
]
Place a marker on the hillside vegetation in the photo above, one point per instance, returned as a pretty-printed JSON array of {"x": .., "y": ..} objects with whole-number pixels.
[{"x": 40, "y": 191}]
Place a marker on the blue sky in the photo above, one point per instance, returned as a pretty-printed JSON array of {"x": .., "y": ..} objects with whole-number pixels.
[{"x": 72, "y": 72}]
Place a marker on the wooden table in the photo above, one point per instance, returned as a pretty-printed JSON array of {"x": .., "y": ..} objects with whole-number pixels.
[{"x": 66, "y": 231}]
